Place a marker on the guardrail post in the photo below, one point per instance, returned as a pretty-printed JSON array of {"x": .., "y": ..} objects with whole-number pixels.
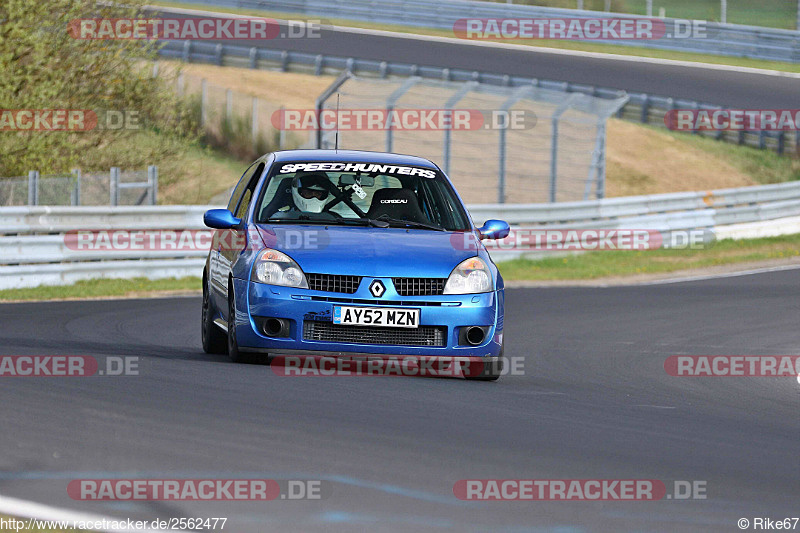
[
  {"x": 187, "y": 51},
  {"x": 218, "y": 54},
  {"x": 762, "y": 139},
  {"x": 284, "y": 61},
  {"x": 318, "y": 65},
  {"x": 645, "y": 118},
  {"x": 781, "y": 142},
  {"x": 33, "y": 187},
  {"x": 152, "y": 181},
  {"x": 253, "y": 57},
  {"x": 76, "y": 192},
  {"x": 113, "y": 185}
]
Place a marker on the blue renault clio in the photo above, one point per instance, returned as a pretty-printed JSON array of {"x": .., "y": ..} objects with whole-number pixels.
[{"x": 351, "y": 254}]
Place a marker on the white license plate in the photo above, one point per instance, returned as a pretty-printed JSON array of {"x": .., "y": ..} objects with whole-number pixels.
[{"x": 375, "y": 316}]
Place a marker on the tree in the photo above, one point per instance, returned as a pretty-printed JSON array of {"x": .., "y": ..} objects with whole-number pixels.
[{"x": 43, "y": 66}]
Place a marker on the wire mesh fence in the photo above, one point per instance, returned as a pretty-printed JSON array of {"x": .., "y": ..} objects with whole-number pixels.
[
  {"x": 114, "y": 187},
  {"x": 519, "y": 145}
]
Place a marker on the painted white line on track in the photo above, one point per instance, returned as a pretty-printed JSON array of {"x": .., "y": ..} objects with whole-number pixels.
[
  {"x": 27, "y": 509},
  {"x": 518, "y": 47}
]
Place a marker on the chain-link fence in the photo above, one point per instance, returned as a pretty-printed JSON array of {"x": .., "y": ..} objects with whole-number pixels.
[
  {"x": 114, "y": 187},
  {"x": 240, "y": 123},
  {"x": 516, "y": 144}
]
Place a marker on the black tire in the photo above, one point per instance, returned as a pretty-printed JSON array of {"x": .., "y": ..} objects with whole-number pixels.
[
  {"x": 234, "y": 353},
  {"x": 214, "y": 339}
]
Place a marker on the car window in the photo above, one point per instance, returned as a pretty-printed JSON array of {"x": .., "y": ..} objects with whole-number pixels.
[
  {"x": 239, "y": 189},
  {"x": 251, "y": 182},
  {"x": 390, "y": 192}
]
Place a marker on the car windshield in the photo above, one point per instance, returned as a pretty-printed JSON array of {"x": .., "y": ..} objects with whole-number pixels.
[{"x": 369, "y": 194}]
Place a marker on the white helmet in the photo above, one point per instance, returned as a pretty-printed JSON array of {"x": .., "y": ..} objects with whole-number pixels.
[{"x": 310, "y": 192}]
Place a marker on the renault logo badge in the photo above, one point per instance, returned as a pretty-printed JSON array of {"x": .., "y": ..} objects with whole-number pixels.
[{"x": 377, "y": 288}]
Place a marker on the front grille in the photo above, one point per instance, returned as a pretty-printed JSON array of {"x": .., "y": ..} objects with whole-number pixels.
[
  {"x": 330, "y": 332},
  {"x": 419, "y": 286},
  {"x": 333, "y": 283}
]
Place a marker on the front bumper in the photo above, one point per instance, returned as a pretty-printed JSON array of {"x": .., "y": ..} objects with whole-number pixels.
[{"x": 297, "y": 306}]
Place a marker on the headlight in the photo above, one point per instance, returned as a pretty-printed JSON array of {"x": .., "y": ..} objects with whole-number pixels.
[
  {"x": 469, "y": 277},
  {"x": 276, "y": 268}
]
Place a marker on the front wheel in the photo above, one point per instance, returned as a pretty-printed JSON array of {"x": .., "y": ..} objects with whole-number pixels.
[{"x": 214, "y": 340}]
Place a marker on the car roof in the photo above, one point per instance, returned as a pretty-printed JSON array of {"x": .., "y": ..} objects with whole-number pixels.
[{"x": 354, "y": 156}]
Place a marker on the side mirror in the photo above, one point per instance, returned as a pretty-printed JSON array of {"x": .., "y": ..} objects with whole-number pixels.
[
  {"x": 220, "y": 219},
  {"x": 494, "y": 229}
]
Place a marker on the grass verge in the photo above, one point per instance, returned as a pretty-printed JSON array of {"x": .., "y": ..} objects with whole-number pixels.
[
  {"x": 104, "y": 288},
  {"x": 560, "y": 44},
  {"x": 608, "y": 264}
]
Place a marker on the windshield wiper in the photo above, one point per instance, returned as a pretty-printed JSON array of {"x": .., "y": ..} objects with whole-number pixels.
[
  {"x": 305, "y": 219},
  {"x": 410, "y": 223}
]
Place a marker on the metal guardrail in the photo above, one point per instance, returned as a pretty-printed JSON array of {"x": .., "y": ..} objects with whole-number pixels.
[
  {"x": 641, "y": 107},
  {"x": 33, "y": 247},
  {"x": 735, "y": 40}
]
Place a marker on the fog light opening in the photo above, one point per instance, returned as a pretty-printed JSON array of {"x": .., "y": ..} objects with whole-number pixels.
[
  {"x": 475, "y": 335},
  {"x": 273, "y": 327}
]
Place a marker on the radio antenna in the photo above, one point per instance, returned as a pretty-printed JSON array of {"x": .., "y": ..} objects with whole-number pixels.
[{"x": 336, "y": 137}]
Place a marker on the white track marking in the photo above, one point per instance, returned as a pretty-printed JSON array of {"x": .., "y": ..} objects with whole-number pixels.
[{"x": 27, "y": 509}]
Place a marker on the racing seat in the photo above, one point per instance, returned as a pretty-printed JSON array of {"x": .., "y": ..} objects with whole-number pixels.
[
  {"x": 282, "y": 198},
  {"x": 396, "y": 203}
]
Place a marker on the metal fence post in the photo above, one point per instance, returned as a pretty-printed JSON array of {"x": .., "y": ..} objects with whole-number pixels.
[
  {"x": 203, "y": 101},
  {"x": 390, "y": 103},
  {"x": 76, "y": 198},
  {"x": 113, "y": 185},
  {"x": 254, "y": 125},
  {"x": 501, "y": 151},
  {"x": 451, "y": 102},
  {"x": 282, "y": 130},
  {"x": 33, "y": 187},
  {"x": 320, "y": 103},
  {"x": 553, "y": 158}
]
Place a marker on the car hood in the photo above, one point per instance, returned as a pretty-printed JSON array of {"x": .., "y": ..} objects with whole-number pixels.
[{"x": 367, "y": 251}]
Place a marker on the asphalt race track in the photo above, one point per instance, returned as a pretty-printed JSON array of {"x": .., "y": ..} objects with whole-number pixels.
[
  {"x": 723, "y": 87},
  {"x": 594, "y": 403}
]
